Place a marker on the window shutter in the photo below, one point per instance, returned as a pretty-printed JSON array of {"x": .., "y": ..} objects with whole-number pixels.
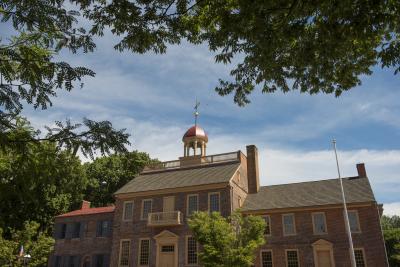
[
  {"x": 98, "y": 228},
  {"x": 70, "y": 229},
  {"x": 106, "y": 262},
  {"x": 82, "y": 229},
  {"x": 94, "y": 261},
  {"x": 109, "y": 228},
  {"x": 57, "y": 231},
  {"x": 65, "y": 260},
  {"x": 77, "y": 261}
]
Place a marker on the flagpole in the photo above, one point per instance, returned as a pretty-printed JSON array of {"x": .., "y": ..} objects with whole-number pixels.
[{"x": 346, "y": 216}]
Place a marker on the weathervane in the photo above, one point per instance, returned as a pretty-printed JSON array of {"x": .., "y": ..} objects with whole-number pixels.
[{"x": 196, "y": 112}]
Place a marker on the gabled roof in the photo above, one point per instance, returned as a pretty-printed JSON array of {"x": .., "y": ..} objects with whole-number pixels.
[
  {"x": 182, "y": 177},
  {"x": 324, "y": 192},
  {"x": 87, "y": 211}
]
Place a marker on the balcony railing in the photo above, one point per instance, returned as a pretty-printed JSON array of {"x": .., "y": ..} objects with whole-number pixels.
[
  {"x": 175, "y": 164},
  {"x": 164, "y": 218}
]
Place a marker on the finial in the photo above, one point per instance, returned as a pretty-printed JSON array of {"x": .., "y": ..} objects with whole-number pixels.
[{"x": 196, "y": 112}]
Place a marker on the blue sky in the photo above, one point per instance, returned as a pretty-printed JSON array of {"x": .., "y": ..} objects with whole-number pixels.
[{"x": 153, "y": 97}]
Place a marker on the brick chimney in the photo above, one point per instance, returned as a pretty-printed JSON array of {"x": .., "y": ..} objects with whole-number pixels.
[
  {"x": 362, "y": 173},
  {"x": 85, "y": 205},
  {"x": 252, "y": 169}
]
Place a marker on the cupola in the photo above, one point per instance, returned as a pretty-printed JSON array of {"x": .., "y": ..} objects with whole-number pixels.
[{"x": 195, "y": 139}]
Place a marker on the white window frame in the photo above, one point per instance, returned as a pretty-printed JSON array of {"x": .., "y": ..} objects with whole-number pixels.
[
  {"x": 313, "y": 222},
  {"x": 261, "y": 258},
  {"x": 219, "y": 201},
  {"x": 286, "y": 256},
  {"x": 294, "y": 224},
  {"x": 363, "y": 252},
  {"x": 358, "y": 221},
  {"x": 142, "y": 211},
  {"x": 120, "y": 252},
  {"x": 269, "y": 223},
  {"x": 187, "y": 254},
  {"x": 187, "y": 202},
  {"x": 140, "y": 251},
  {"x": 124, "y": 210}
]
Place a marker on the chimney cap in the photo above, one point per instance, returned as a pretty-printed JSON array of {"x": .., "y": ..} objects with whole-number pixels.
[{"x": 85, "y": 205}]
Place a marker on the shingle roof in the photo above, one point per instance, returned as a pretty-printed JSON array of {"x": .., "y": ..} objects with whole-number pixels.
[
  {"x": 305, "y": 194},
  {"x": 184, "y": 177},
  {"x": 88, "y": 211}
]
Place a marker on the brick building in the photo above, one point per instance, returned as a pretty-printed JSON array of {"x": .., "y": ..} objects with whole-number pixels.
[{"x": 147, "y": 226}]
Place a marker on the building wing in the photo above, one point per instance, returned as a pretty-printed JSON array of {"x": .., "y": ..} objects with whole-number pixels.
[
  {"x": 182, "y": 177},
  {"x": 324, "y": 192}
]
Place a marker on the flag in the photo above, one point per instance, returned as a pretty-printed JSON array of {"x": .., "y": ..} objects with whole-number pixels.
[{"x": 21, "y": 251}]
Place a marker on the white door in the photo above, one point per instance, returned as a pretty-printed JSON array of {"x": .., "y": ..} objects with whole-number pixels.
[
  {"x": 169, "y": 204},
  {"x": 167, "y": 256},
  {"x": 324, "y": 258}
]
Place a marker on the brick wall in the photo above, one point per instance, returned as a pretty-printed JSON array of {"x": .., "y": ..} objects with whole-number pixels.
[
  {"x": 137, "y": 228},
  {"x": 370, "y": 238},
  {"x": 87, "y": 245}
]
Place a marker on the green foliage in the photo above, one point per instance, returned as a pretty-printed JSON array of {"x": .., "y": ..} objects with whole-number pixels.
[
  {"x": 392, "y": 243},
  {"x": 228, "y": 242},
  {"x": 107, "y": 174},
  {"x": 39, "y": 183},
  {"x": 36, "y": 243},
  {"x": 323, "y": 46},
  {"x": 390, "y": 222}
]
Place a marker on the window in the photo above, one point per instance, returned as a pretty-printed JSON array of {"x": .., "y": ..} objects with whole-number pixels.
[
  {"x": 191, "y": 253},
  {"x": 213, "y": 202},
  {"x": 146, "y": 208},
  {"x": 128, "y": 211},
  {"x": 289, "y": 227},
  {"x": 73, "y": 261},
  {"x": 267, "y": 230},
  {"x": 239, "y": 202},
  {"x": 170, "y": 248},
  {"x": 99, "y": 260},
  {"x": 266, "y": 258},
  {"x": 57, "y": 261},
  {"x": 61, "y": 231},
  {"x": 292, "y": 258},
  {"x": 76, "y": 229},
  {"x": 103, "y": 228},
  {"x": 354, "y": 222},
  {"x": 359, "y": 255},
  {"x": 319, "y": 223},
  {"x": 124, "y": 253},
  {"x": 192, "y": 204},
  {"x": 144, "y": 252}
]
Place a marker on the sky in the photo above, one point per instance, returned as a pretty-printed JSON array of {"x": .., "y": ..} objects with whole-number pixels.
[{"x": 153, "y": 96}]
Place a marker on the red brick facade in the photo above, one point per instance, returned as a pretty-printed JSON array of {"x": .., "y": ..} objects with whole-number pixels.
[{"x": 232, "y": 196}]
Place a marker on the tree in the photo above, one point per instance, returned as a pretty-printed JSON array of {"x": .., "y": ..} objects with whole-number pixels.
[
  {"x": 107, "y": 174},
  {"x": 230, "y": 242},
  {"x": 390, "y": 222},
  {"x": 35, "y": 243},
  {"x": 42, "y": 182},
  {"x": 391, "y": 234},
  {"x": 392, "y": 243},
  {"x": 316, "y": 46}
]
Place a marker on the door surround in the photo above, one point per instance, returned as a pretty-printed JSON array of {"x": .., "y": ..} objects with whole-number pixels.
[
  {"x": 323, "y": 245},
  {"x": 167, "y": 238}
]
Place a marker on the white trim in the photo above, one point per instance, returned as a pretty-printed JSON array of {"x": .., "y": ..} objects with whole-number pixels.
[
  {"x": 269, "y": 222},
  {"x": 142, "y": 210},
  {"x": 219, "y": 200},
  {"x": 140, "y": 250},
  {"x": 294, "y": 224},
  {"x": 363, "y": 252},
  {"x": 358, "y": 221},
  {"x": 187, "y": 202},
  {"x": 187, "y": 255},
  {"x": 313, "y": 223},
  {"x": 261, "y": 258},
  {"x": 120, "y": 252},
  {"x": 286, "y": 256},
  {"x": 123, "y": 211}
]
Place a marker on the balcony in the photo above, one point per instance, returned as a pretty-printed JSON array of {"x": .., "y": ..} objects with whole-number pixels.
[{"x": 169, "y": 218}]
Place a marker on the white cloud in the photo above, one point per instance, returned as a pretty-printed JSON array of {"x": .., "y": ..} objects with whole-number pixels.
[{"x": 391, "y": 209}]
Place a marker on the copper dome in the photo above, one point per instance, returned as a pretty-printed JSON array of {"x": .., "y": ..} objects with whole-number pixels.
[{"x": 195, "y": 131}]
